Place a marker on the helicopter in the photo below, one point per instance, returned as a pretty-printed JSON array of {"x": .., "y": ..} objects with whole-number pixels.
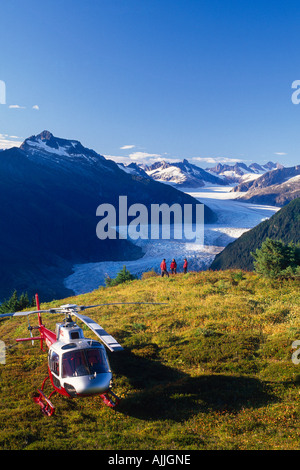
[{"x": 77, "y": 366}]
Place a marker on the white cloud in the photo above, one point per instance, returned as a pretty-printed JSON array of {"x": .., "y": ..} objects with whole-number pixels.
[
  {"x": 117, "y": 158},
  {"x": 280, "y": 153},
  {"x": 150, "y": 158},
  {"x": 136, "y": 156},
  {"x": 7, "y": 142},
  {"x": 125, "y": 147},
  {"x": 216, "y": 160},
  {"x": 16, "y": 106},
  {"x": 36, "y": 107}
]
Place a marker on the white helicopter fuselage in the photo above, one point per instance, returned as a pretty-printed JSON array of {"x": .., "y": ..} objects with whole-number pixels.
[{"x": 78, "y": 365}]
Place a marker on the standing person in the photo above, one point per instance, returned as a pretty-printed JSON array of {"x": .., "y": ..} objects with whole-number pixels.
[
  {"x": 173, "y": 267},
  {"x": 185, "y": 265},
  {"x": 163, "y": 267}
]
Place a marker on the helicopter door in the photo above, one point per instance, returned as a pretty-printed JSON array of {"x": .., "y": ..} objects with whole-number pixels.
[{"x": 53, "y": 360}]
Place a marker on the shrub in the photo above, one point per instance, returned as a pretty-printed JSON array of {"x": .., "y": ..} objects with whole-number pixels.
[
  {"x": 149, "y": 274},
  {"x": 123, "y": 276},
  {"x": 275, "y": 259}
]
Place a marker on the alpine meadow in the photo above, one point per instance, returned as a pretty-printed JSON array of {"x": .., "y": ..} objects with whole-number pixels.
[{"x": 212, "y": 369}]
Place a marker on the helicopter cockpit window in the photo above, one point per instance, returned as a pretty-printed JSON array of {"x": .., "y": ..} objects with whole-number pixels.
[
  {"x": 54, "y": 362},
  {"x": 84, "y": 362}
]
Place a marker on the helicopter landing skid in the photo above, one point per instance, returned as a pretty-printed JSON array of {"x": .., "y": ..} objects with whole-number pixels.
[
  {"x": 43, "y": 401},
  {"x": 110, "y": 399}
]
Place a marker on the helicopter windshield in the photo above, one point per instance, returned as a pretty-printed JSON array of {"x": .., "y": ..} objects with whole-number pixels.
[{"x": 84, "y": 362}]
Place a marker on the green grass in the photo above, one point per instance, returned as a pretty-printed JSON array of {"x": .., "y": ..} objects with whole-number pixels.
[{"x": 210, "y": 370}]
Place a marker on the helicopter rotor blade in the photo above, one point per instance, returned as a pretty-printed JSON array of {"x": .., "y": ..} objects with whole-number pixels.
[
  {"x": 83, "y": 307},
  {"x": 19, "y": 314},
  {"x": 73, "y": 308},
  {"x": 70, "y": 308},
  {"x": 105, "y": 337}
]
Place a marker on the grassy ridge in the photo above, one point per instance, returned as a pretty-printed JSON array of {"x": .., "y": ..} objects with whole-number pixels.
[{"x": 210, "y": 370}]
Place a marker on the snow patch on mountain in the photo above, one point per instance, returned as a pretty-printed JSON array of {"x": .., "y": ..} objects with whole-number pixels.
[
  {"x": 240, "y": 172},
  {"x": 58, "y": 150}
]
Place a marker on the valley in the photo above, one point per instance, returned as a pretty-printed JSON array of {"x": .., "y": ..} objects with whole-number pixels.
[{"x": 234, "y": 218}]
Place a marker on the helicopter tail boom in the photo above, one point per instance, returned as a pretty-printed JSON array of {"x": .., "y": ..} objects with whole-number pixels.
[{"x": 32, "y": 338}]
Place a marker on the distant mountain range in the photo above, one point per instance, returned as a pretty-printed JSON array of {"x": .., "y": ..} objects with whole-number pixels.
[
  {"x": 181, "y": 173},
  {"x": 187, "y": 175},
  {"x": 284, "y": 225},
  {"x": 277, "y": 187},
  {"x": 241, "y": 172},
  {"x": 271, "y": 184},
  {"x": 50, "y": 189}
]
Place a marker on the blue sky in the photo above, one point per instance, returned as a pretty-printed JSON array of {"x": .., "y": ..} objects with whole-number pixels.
[{"x": 204, "y": 80}]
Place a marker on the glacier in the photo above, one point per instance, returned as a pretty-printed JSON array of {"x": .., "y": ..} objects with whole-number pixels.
[{"x": 234, "y": 218}]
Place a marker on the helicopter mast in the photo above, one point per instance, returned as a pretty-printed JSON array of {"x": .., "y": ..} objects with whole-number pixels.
[{"x": 37, "y": 301}]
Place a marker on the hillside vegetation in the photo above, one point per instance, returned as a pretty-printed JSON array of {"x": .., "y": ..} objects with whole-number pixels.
[
  {"x": 211, "y": 369},
  {"x": 284, "y": 225}
]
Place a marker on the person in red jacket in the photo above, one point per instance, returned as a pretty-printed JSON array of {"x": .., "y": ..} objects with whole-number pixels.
[
  {"x": 185, "y": 265},
  {"x": 163, "y": 267},
  {"x": 173, "y": 266}
]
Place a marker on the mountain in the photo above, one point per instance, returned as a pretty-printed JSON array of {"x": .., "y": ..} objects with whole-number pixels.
[
  {"x": 133, "y": 169},
  {"x": 284, "y": 225},
  {"x": 50, "y": 189},
  {"x": 55, "y": 150},
  {"x": 183, "y": 173},
  {"x": 276, "y": 187},
  {"x": 240, "y": 172}
]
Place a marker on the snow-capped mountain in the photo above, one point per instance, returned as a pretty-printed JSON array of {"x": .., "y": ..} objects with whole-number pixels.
[
  {"x": 51, "y": 150},
  {"x": 46, "y": 143},
  {"x": 183, "y": 174},
  {"x": 187, "y": 175},
  {"x": 133, "y": 169},
  {"x": 240, "y": 172},
  {"x": 276, "y": 187},
  {"x": 50, "y": 189}
]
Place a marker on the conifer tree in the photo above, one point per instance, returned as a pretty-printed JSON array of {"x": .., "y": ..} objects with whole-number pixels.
[
  {"x": 123, "y": 276},
  {"x": 14, "y": 304},
  {"x": 275, "y": 259}
]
